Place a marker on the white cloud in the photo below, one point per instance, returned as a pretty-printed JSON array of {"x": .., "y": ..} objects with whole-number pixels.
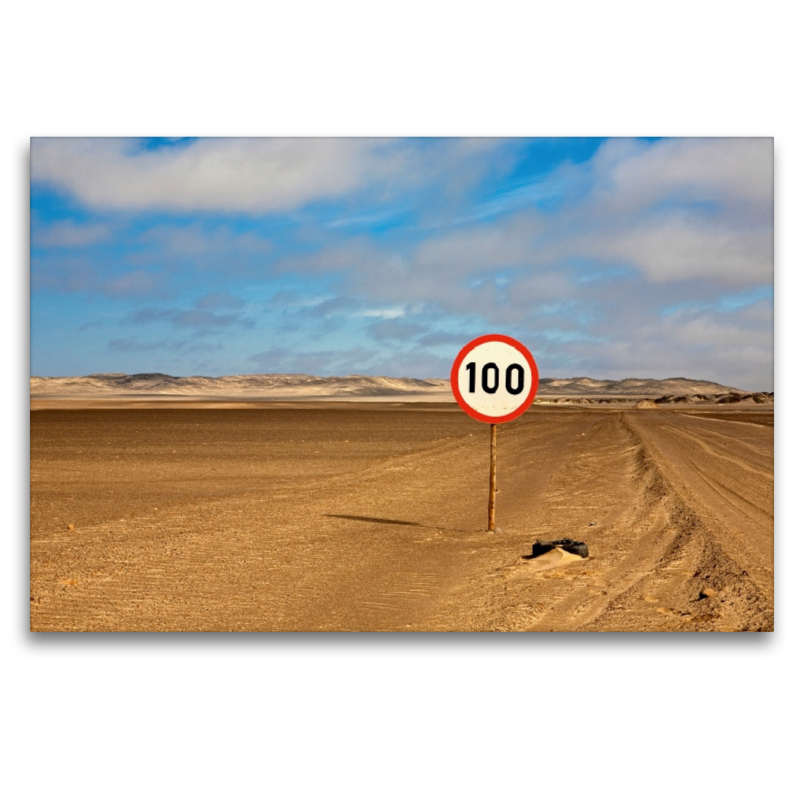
[
  {"x": 247, "y": 175},
  {"x": 731, "y": 171},
  {"x": 382, "y": 313},
  {"x": 681, "y": 248},
  {"x": 210, "y": 174}
]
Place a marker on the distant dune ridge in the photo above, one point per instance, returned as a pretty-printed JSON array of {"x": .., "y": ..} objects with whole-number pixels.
[
  {"x": 232, "y": 385},
  {"x": 286, "y": 386}
]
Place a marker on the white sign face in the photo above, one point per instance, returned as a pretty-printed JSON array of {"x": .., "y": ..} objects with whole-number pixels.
[{"x": 494, "y": 378}]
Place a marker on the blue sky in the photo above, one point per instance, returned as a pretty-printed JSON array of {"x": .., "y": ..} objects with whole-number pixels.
[{"x": 609, "y": 258}]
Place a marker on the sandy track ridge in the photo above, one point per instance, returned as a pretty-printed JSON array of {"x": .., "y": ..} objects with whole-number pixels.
[{"x": 656, "y": 563}]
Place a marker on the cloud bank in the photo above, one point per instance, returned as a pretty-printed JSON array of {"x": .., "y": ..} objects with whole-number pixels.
[{"x": 608, "y": 257}]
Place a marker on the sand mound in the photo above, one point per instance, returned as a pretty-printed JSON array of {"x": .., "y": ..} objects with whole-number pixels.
[{"x": 646, "y": 404}]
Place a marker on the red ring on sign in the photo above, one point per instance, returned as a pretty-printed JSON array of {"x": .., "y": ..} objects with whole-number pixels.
[{"x": 467, "y": 349}]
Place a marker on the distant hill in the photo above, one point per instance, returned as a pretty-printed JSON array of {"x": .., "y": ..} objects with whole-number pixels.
[
  {"x": 157, "y": 383},
  {"x": 279, "y": 386},
  {"x": 630, "y": 387}
]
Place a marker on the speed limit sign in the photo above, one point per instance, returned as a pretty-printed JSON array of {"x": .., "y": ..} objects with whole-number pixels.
[{"x": 494, "y": 378}]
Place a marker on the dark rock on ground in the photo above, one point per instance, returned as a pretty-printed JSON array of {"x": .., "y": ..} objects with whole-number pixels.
[{"x": 569, "y": 545}]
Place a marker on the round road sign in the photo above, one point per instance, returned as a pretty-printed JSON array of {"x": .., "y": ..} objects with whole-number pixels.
[{"x": 494, "y": 378}]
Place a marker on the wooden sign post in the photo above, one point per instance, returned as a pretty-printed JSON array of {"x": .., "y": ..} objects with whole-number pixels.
[
  {"x": 494, "y": 379},
  {"x": 492, "y": 474}
]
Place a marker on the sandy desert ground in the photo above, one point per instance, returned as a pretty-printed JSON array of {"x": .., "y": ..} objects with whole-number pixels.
[{"x": 371, "y": 517}]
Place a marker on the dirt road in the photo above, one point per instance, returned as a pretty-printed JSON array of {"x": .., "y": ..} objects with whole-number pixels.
[{"x": 371, "y": 518}]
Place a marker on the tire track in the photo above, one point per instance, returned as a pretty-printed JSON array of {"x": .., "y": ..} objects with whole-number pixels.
[
  {"x": 735, "y": 544},
  {"x": 651, "y": 553}
]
